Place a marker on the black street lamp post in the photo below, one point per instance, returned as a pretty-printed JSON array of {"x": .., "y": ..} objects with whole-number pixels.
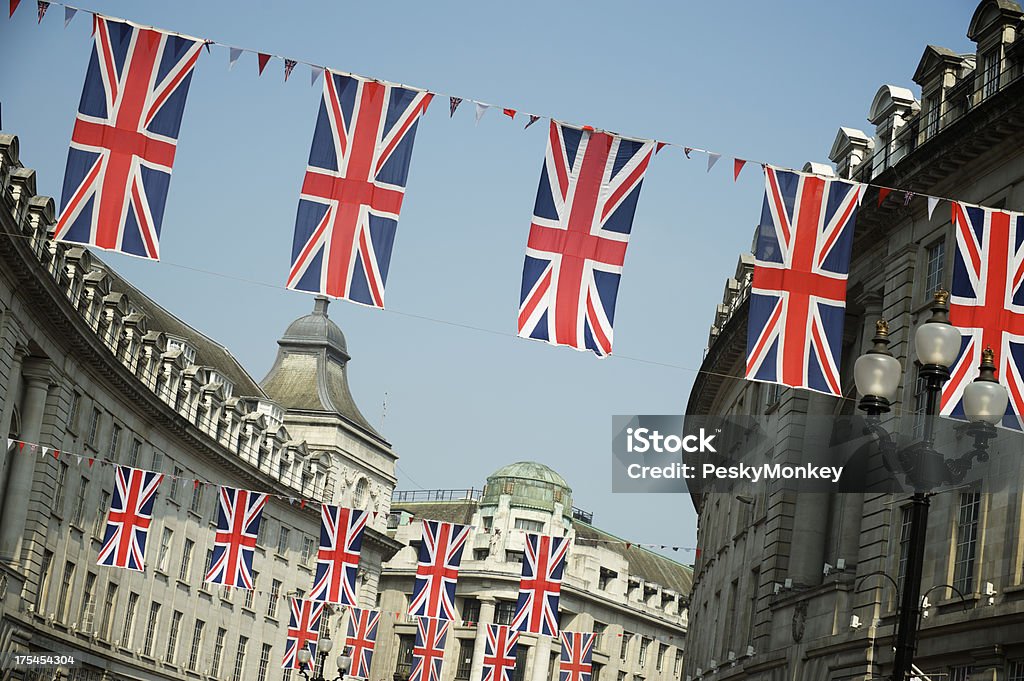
[
  {"x": 877, "y": 374},
  {"x": 324, "y": 647}
]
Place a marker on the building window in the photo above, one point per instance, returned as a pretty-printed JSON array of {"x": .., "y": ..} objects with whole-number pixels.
[
  {"x": 678, "y": 664},
  {"x": 901, "y": 569},
  {"x": 58, "y": 489},
  {"x": 282, "y": 540},
  {"x": 529, "y": 525},
  {"x": 133, "y": 453},
  {"x": 165, "y": 549},
  {"x": 158, "y": 460},
  {"x": 173, "y": 493},
  {"x": 645, "y": 643},
  {"x": 172, "y": 640},
  {"x": 186, "y": 560},
  {"x": 624, "y": 650},
  {"x": 243, "y": 643},
  {"x": 79, "y": 511},
  {"x": 595, "y": 674},
  {"x": 1015, "y": 670},
  {"x": 197, "y": 640},
  {"x": 605, "y": 577},
  {"x": 101, "y": 518},
  {"x": 76, "y": 403},
  {"x": 519, "y": 673},
  {"x": 115, "y": 435},
  {"x": 88, "y": 611},
  {"x": 129, "y": 619},
  {"x": 661, "y": 657},
  {"x": 218, "y": 652},
  {"x": 261, "y": 673},
  {"x": 275, "y": 591},
  {"x": 465, "y": 659},
  {"x": 151, "y": 624},
  {"x": 481, "y": 554},
  {"x": 932, "y": 107},
  {"x": 404, "y": 664},
  {"x": 966, "y": 541},
  {"x": 960, "y": 673},
  {"x": 514, "y": 557},
  {"x": 197, "y": 500},
  {"x": 772, "y": 395},
  {"x": 989, "y": 83},
  {"x": 488, "y": 522},
  {"x": 309, "y": 547},
  {"x": 920, "y": 404},
  {"x": 94, "y": 428},
  {"x": 359, "y": 494},
  {"x": 504, "y": 611},
  {"x": 470, "y": 611},
  {"x": 65, "y": 590},
  {"x": 108, "y": 611},
  {"x": 935, "y": 265},
  {"x": 250, "y": 593}
]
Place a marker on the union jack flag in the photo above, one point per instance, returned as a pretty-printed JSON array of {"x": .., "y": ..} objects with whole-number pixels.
[
  {"x": 125, "y": 135},
  {"x": 589, "y": 188},
  {"x": 798, "y": 296},
  {"x": 500, "y": 652},
  {"x": 353, "y": 188},
  {"x": 433, "y": 594},
  {"x": 987, "y": 304},
  {"x": 361, "y": 640},
  {"x": 577, "y": 650},
  {"x": 303, "y": 631},
  {"x": 238, "y": 525},
  {"x": 543, "y": 564},
  {"x": 131, "y": 512},
  {"x": 341, "y": 538},
  {"x": 428, "y": 650},
  {"x": 583, "y": 215}
]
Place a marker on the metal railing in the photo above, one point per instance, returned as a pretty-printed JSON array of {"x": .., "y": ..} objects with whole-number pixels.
[{"x": 409, "y": 496}]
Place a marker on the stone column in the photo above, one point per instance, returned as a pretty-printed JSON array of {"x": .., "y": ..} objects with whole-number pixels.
[
  {"x": 10, "y": 398},
  {"x": 38, "y": 378},
  {"x": 541, "y": 657},
  {"x": 486, "y": 617}
]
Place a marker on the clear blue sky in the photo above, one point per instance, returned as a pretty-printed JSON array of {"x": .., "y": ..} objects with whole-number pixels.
[{"x": 768, "y": 81}]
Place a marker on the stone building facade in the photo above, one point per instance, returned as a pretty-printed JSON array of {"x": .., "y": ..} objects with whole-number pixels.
[
  {"x": 93, "y": 368},
  {"x": 634, "y": 599},
  {"x": 769, "y": 600}
]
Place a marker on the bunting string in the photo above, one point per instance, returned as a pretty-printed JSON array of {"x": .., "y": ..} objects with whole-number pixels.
[{"x": 289, "y": 63}]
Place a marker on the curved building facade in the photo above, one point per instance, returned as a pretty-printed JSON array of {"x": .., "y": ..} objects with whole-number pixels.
[{"x": 93, "y": 369}]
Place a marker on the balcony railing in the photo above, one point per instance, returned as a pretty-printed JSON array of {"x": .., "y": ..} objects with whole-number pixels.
[{"x": 413, "y": 495}]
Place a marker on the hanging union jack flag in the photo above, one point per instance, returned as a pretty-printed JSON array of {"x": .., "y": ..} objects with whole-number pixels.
[
  {"x": 238, "y": 525},
  {"x": 341, "y": 538},
  {"x": 987, "y": 304},
  {"x": 798, "y": 296},
  {"x": 125, "y": 135},
  {"x": 433, "y": 594},
  {"x": 577, "y": 650},
  {"x": 428, "y": 649},
  {"x": 543, "y": 564},
  {"x": 361, "y": 640},
  {"x": 303, "y": 631},
  {"x": 131, "y": 512},
  {"x": 353, "y": 188},
  {"x": 582, "y": 218},
  {"x": 500, "y": 652}
]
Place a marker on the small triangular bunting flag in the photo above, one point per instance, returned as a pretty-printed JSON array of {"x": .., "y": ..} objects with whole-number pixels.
[
  {"x": 14, "y": 6},
  {"x": 481, "y": 109},
  {"x": 69, "y": 14},
  {"x": 79, "y": 459},
  {"x": 91, "y": 460},
  {"x": 21, "y": 445},
  {"x": 46, "y": 450},
  {"x": 314, "y": 75},
  {"x": 687, "y": 150},
  {"x": 206, "y": 44},
  {"x": 511, "y": 113},
  {"x": 302, "y": 504},
  {"x": 233, "y": 54},
  {"x": 882, "y": 193},
  {"x": 712, "y": 160},
  {"x": 453, "y": 104},
  {"x": 289, "y": 66},
  {"x": 195, "y": 484},
  {"x": 263, "y": 59},
  {"x": 533, "y": 119},
  {"x": 41, "y": 9},
  {"x": 10, "y": 443},
  {"x": 659, "y": 146},
  {"x": 906, "y": 198},
  {"x": 737, "y": 166},
  {"x": 932, "y": 202}
]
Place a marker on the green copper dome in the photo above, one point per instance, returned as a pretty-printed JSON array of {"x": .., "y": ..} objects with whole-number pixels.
[{"x": 530, "y": 485}]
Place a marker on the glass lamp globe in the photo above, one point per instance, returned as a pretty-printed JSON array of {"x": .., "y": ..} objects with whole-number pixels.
[
  {"x": 937, "y": 341},
  {"x": 344, "y": 663},
  {"x": 877, "y": 373},
  {"x": 304, "y": 656},
  {"x": 985, "y": 399},
  {"x": 325, "y": 645}
]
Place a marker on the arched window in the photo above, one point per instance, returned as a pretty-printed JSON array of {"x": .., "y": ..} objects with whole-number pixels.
[{"x": 359, "y": 494}]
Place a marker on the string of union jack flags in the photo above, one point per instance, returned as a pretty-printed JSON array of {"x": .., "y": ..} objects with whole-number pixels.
[{"x": 122, "y": 153}]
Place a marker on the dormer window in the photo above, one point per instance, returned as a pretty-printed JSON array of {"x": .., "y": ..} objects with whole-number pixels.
[
  {"x": 188, "y": 351},
  {"x": 990, "y": 73}
]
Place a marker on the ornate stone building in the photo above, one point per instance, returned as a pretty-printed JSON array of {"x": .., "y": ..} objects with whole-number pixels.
[
  {"x": 633, "y": 598},
  {"x": 93, "y": 368},
  {"x": 769, "y": 599}
]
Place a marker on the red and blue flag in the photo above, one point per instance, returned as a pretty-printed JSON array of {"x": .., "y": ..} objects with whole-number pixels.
[
  {"x": 303, "y": 631},
  {"x": 361, "y": 640},
  {"x": 428, "y": 649},
  {"x": 353, "y": 189},
  {"x": 129, "y": 518},
  {"x": 541, "y": 584},
  {"x": 238, "y": 525},
  {"x": 576, "y": 663},
  {"x": 500, "y": 652},
  {"x": 125, "y": 137},
  {"x": 987, "y": 304},
  {"x": 582, "y": 218},
  {"x": 433, "y": 593},
  {"x": 798, "y": 295},
  {"x": 341, "y": 539}
]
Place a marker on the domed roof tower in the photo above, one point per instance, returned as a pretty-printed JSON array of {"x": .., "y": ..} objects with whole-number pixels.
[{"x": 530, "y": 485}]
